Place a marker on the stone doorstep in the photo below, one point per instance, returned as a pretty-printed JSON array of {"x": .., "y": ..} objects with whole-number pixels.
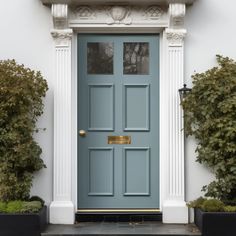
[
  {"x": 118, "y": 217},
  {"x": 122, "y": 228}
]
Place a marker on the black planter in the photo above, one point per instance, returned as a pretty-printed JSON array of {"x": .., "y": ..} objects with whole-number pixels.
[
  {"x": 215, "y": 223},
  {"x": 25, "y": 224}
]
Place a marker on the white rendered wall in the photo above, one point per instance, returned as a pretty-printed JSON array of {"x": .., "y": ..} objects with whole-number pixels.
[
  {"x": 211, "y": 26},
  {"x": 25, "y": 36}
]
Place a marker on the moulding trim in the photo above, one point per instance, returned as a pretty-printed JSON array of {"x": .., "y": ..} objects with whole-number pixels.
[
  {"x": 92, "y": 2},
  {"x": 118, "y": 15}
]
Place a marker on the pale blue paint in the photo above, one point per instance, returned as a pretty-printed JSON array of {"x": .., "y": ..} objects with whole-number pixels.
[
  {"x": 118, "y": 176},
  {"x": 136, "y": 117},
  {"x": 136, "y": 171},
  {"x": 100, "y": 171},
  {"x": 101, "y": 108}
]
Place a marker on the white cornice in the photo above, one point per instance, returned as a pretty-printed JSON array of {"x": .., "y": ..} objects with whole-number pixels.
[
  {"x": 127, "y": 15},
  {"x": 90, "y": 2}
]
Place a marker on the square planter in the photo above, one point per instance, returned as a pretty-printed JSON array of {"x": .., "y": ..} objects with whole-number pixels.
[
  {"x": 215, "y": 223},
  {"x": 27, "y": 224}
]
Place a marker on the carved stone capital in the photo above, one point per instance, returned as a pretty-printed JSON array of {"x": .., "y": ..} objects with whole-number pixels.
[
  {"x": 60, "y": 15},
  {"x": 177, "y": 14},
  {"x": 62, "y": 37},
  {"x": 175, "y": 37}
]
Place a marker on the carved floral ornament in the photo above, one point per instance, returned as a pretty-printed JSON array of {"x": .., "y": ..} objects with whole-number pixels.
[
  {"x": 62, "y": 37},
  {"x": 66, "y": 18},
  {"x": 116, "y": 14},
  {"x": 154, "y": 12},
  {"x": 84, "y": 12},
  {"x": 175, "y": 37}
]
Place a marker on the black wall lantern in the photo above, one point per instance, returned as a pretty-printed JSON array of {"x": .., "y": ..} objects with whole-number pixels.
[{"x": 183, "y": 92}]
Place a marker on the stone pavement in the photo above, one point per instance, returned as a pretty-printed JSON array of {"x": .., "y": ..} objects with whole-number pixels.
[{"x": 122, "y": 228}]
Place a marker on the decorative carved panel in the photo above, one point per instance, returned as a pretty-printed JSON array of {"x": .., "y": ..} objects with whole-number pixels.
[{"x": 118, "y": 15}]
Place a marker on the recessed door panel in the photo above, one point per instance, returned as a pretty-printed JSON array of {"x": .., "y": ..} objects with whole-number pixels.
[
  {"x": 118, "y": 121},
  {"x": 136, "y": 107},
  {"x": 101, "y": 171},
  {"x": 136, "y": 175},
  {"x": 101, "y": 107}
]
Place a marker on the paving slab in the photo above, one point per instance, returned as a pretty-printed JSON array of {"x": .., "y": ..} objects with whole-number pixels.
[{"x": 122, "y": 228}]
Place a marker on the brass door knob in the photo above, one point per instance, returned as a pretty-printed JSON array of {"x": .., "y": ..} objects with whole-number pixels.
[{"x": 82, "y": 133}]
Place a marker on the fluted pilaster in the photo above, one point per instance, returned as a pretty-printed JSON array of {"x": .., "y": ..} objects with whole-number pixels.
[
  {"x": 62, "y": 209},
  {"x": 174, "y": 206}
]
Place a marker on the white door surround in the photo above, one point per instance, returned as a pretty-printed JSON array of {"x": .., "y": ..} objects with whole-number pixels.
[{"x": 168, "y": 21}]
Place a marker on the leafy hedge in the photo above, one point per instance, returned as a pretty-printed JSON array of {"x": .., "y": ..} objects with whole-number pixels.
[
  {"x": 210, "y": 116},
  {"x": 20, "y": 207},
  {"x": 211, "y": 205},
  {"x": 21, "y": 94}
]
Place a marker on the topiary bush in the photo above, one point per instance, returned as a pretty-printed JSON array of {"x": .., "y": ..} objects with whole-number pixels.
[
  {"x": 37, "y": 198},
  {"x": 14, "y": 207},
  {"x": 32, "y": 207},
  {"x": 230, "y": 209},
  {"x": 212, "y": 205},
  {"x": 3, "y": 207},
  {"x": 197, "y": 203},
  {"x": 210, "y": 116},
  {"x": 21, "y": 94},
  {"x": 20, "y": 207}
]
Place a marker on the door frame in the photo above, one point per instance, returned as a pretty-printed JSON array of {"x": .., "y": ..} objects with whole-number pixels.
[
  {"x": 169, "y": 22},
  {"x": 75, "y": 110}
]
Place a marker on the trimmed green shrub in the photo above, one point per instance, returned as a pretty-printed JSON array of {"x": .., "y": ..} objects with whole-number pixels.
[
  {"x": 212, "y": 205},
  {"x": 37, "y": 198},
  {"x": 197, "y": 203},
  {"x": 210, "y": 116},
  {"x": 3, "y": 207},
  {"x": 230, "y": 208},
  {"x": 33, "y": 206},
  {"x": 14, "y": 207},
  {"x": 20, "y": 207},
  {"x": 21, "y": 103}
]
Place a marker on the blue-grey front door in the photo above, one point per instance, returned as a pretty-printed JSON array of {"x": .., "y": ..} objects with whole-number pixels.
[{"x": 118, "y": 117}]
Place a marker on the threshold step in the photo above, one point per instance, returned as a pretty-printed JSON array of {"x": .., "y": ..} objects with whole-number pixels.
[
  {"x": 112, "y": 217},
  {"x": 118, "y": 215},
  {"x": 122, "y": 229},
  {"x": 120, "y": 211}
]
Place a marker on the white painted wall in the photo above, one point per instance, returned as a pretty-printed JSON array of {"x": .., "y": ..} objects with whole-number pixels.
[
  {"x": 211, "y": 30},
  {"x": 25, "y": 35}
]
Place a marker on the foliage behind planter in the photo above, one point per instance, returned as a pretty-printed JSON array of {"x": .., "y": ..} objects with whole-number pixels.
[
  {"x": 20, "y": 207},
  {"x": 210, "y": 116},
  {"x": 211, "y": 205},
  {"x": 21, "y": 93}
]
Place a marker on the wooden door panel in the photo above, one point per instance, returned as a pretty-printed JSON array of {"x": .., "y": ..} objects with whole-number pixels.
[{"x": 118, "y": 95}]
